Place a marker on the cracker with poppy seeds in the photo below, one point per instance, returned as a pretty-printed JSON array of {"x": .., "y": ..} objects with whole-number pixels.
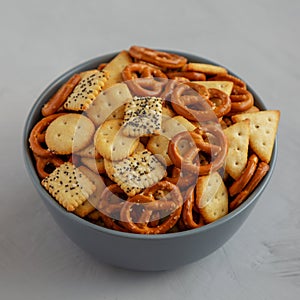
[
  {"x": 108, "y": 103},
  {"x": 211, "y": 197},
  {"x": 69, "y": 133},
  {"x": 111, "y": 143},
  {"x": 136, "y": 172},
  {"x": 68, "y": 186},
  {"x": 89, "y": 205},
  {"x": 143, "y": 116},
  {"x": 238, "y": 136},
  {"x": 263, "y": 129},
  {"x": 86, "y": 90}
]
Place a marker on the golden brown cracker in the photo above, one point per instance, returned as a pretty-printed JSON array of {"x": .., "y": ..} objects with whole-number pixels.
[
  {"x": 69, "y": 186},
  {"x": 224, "y": 86},
  {"x": 263, "y": 129},
  {"x": 115, "y": 68},
  {"x": 86, "y": 91},
  {"x": 238, "y": 136},
  {"x": 108, "y": 102},
  {"x": 69, "y": 133},
  {"x": 135, "y": 173},
  {"x": 204, "y": 68},
  {"x": 111, "y": 143},
  {"x": 211, "y": 197}
]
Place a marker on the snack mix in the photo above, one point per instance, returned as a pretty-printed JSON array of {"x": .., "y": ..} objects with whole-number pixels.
[{"x": 152, "y": 143}]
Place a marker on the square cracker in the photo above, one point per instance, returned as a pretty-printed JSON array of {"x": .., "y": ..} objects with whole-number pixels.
[
  {"x": 115, "y": 68},
  {"x": 86, "y": 90},
  {"x": 107, "y": 102},
  {"x": 263, "y": 129},
  {"x": 69, "y": 186},
  {"x": 238, "y": 136}
]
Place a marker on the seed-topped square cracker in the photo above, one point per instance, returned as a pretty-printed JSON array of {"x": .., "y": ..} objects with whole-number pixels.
[
  {"x": 86, "y": 90},
  {"x": 69, "y": 186},
  {"x": 135, "y": 173},
  {"x": 143, "y": 116}
]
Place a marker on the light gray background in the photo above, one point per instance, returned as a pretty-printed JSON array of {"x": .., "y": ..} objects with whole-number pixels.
[{"x": 259, "y": 40}]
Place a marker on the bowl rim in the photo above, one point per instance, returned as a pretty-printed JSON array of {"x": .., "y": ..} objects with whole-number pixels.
[{"x": 27, "y": 156}]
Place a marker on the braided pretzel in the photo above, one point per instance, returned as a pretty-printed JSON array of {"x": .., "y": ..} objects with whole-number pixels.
[
  {"x": 221, "y": 100},
  {"x": 187, "y": 211},
  {"x": 144, "y": 80},
  {"x": 190, "y": 161},
  {"x": 159, "y": 58},
  {"x": 246, "y": 175},
  {"x": 60, "y": 96},
  {"x": 153, "y": 200},
  {"x": 241, "y": 99},
  {"x": 37, "y": 136},
  {"x": 260, "y": 172}
]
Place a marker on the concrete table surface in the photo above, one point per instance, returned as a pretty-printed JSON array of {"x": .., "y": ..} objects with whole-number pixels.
[{"x": 259, "y": 40}]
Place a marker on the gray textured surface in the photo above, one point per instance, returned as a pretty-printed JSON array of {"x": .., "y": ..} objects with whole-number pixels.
[{"x": 259, "y": 40}]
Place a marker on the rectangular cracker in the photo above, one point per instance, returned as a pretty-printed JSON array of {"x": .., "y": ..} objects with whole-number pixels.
[
  {"x": 108, "y": 102},
  {"x": 86, "y": 90},
  {"x": 115, "y": 68},
  {"x": 142, "y": 116},
  {"x": 69, "y": 186},
  {"x": 263, "y": 129},
  {"x": 224, "y": 86},
  {"x": 238, "y": 136},
  {"x": 204, "y": 68}
]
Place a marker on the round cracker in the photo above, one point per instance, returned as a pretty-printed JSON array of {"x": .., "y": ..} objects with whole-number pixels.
[
  {"x": 69, "y": 133},
  {"x": 111, "y": 143}
]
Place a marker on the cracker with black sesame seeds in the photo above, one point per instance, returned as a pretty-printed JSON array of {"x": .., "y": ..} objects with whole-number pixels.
[
  {"x": 69, "y": 133},
  {"x": 86, "y": 90},
  {"x": 111, "y": 143},
  {"x": 211, "y": 197},
  {"x": 89, "y": 205},
  {"x": 238, "y": 136},
  {"x": 109, "y": 104},
  {"x": 68, "y": 186},
  {"x": 263, "y": 129},
  {"x": 135, "y": 173},
  {"x": 142, "y": 116}
]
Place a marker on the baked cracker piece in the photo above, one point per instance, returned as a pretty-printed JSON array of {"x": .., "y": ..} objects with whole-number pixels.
[
  {"x": 204, "y": 68},
  {"x": 224, "y": 86},
  {"x": 68, "y": 186},
  {"x": 115, "y": 68},
  {"x": 108, "y": 103},
  {"x": 263, "y": 129},
  {"x": 212, "y": 197},
  {"x": 86, "y": 90},
  {"x": 238, "y": 136},
  {"x": 135, "y": 173},
  {"x": 143, "y": 116}
]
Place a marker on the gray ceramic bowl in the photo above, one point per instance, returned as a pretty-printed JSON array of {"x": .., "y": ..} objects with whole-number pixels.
[{"x": 134, "y": 251}]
